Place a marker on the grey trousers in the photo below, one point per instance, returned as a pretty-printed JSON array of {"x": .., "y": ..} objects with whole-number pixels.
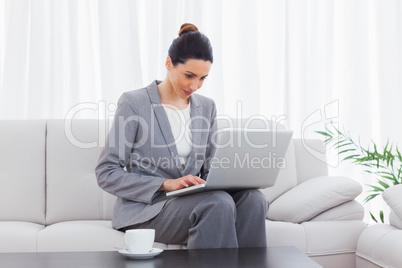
[{"x": 214, "y": 219}]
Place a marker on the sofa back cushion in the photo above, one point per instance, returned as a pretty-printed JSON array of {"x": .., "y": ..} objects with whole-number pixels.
[
  {"x": 311, "y": 159},
  {"x": 22, "y": 170},
  {"x": 72, "y": 154}
]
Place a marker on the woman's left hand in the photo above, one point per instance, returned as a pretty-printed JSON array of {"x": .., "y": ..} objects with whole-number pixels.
[{"x": 179, "y": 183}]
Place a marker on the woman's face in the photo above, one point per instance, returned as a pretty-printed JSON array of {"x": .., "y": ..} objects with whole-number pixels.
[{"x": 188, "y": 77}]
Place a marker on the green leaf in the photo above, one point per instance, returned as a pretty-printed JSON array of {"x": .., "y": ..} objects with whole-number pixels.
[
  {"x": 372, "y": 216},
  {"x": 376, "y": 188},
  {"x": 383, "y": 184},
  {"x": 388, "y": 178},
  {"x": 370, "y": 197},
  {"x": 345, "y": 151},
  {"x": 382, "y": 216},
  {"x": 399, "y": 154},
  {"x": 335, "y": 128},
  {"x": 329, "y": 130},
  {"x": 386, "y": 146},
  {"x": 388, "y": 175},
  {"x": 369, "y": 171},
  {"x": 365, "y": 159},
  {"x": 340, "y": 141},
  {"x": 350, "y": 157},
  {"x": 342, "y": 145},
  {"x": 324, "y": 133}
]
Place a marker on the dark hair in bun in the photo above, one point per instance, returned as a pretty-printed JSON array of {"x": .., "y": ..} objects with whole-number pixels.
[
  {"x": 187, "y": 28},
  {"x": 191, "y": 44}
]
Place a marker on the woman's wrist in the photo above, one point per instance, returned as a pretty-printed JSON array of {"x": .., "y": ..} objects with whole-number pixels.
[{"x": 164, "y": 185}]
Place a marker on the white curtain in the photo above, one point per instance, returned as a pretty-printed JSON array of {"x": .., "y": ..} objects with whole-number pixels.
[{"x": 303, "y": 62}]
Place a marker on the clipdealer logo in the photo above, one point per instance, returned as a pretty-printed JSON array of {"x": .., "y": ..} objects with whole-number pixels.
[{"x": 322, "y": 117}]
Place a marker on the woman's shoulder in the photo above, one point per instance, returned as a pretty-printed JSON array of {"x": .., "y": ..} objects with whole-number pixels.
[
  {"x": 135, "y": 94},
  {"x": 141, "y": 95},
  {"x": 133, "y": 99},
  {"x": 208, "y": 104},
  {"x": 203, "y": 100}
]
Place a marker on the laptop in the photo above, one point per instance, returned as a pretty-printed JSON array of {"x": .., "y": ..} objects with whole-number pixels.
[{"x": 244, "y": 159}]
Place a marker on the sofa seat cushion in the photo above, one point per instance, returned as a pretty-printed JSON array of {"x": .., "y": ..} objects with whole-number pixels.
[
  {"x": 316, "y": 238},
  {"x": 380, "y": 245},
  {"x": 169, "y": 246},
  {"x": 332, "y": 244},
  {"x": 310, "y": 198},
  {"x": 18, "y": 236},
  {"x": 80, "y": 236}
]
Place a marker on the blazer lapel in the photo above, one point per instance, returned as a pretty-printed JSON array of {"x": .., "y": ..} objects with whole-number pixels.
[
  {"x": 163, "y": 122},
  {"x": 195, "y": 127}
]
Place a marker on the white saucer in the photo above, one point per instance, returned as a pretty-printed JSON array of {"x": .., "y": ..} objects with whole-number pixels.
[{"x": 141, "y": 256}]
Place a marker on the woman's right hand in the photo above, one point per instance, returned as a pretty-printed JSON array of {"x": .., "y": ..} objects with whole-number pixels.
[{"x": 179, "y": 183}]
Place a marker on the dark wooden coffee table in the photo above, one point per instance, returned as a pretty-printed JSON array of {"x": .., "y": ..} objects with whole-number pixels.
[{"x": 277, "y": 257}]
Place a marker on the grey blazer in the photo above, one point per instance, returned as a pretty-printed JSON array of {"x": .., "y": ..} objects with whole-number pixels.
[{"x": 140, "y": 153}]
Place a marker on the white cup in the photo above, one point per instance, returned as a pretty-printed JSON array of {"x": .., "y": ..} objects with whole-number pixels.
[{"x": 140, "y": 240}]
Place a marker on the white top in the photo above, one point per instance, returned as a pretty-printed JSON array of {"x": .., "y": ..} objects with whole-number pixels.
[{"x": 180, "y": 124}]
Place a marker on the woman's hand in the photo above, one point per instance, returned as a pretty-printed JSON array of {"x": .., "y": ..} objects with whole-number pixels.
[{"x": 179, "y": 183}]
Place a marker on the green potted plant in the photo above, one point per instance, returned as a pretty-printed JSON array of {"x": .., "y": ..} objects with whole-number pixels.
[{"x": 385, "y": 164}]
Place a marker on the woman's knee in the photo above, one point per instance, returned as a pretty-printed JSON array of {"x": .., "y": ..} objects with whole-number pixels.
[
  {"x": 252, "y": 198},
  {"x": 221, "y": 200},
  {"x": 258, "y": 196},
  {"x": 218, "y": 202},
  {"x": 217, "y": 208}
]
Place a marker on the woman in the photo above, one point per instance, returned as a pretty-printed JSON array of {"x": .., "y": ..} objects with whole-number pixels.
[{"x": 161, "y": 140}]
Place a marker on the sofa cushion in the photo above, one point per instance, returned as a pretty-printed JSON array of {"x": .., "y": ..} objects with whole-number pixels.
[
  {"x": 311, "y": 157},
  {"x": 313, "y": 197},
  {"x": 80, "y": 236},
  {"x": 22, "y": 170},
  {"x": 348, "y": 211},
  {"x": 287, "y": 177},
  {"x": 316, "y": 238},
  {"x": 395, "y": 220},
  {"x": 332, "y": 237},
  {"x": 72, "y": 190},
  {"x": 380, "y": 244},
  {"x": 16, "y": 236},
  {"x": 393, "y": 197}
]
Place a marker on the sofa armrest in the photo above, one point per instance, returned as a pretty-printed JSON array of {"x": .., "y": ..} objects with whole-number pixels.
[
  {"x": 349, "y": 211},
  {"x": 310, "y": 198},
  {"x": 395, "y": 220}
]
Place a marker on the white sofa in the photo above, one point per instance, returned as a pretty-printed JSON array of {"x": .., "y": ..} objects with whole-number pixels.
[
  {"x": 380, "y": 245},
  {"x": 50, "y": 200}
]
